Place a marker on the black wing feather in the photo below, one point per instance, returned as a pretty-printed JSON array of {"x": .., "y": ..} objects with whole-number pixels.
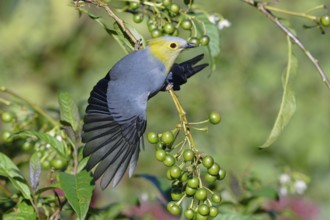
[{"x": 112, "y": 146}]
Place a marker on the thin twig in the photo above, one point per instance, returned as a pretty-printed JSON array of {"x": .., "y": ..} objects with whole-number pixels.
[
  {"x": 183, "y": 119},
  {"x": 262, "y": 8}
]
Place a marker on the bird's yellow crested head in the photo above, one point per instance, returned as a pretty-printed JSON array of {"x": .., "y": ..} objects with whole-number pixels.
[{"x": 167, "y": 48}]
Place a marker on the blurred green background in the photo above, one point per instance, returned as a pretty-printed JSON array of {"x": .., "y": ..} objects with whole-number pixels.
[{"x": 47, "y": 48}]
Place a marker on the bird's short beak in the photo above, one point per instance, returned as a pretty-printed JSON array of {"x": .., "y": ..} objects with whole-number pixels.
[{"x": 189, "y": 45}]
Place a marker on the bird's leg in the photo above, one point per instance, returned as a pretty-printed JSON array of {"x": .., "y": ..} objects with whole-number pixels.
[
  {"x": 138, "y": 44},
  {"x": 169, "y": 86}
]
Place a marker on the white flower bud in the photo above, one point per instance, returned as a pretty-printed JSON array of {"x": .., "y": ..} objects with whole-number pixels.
[{"x": 300, "y": 186}]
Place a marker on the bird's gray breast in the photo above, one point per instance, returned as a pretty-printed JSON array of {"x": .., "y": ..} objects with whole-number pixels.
[{"x": 132, "y": 80}]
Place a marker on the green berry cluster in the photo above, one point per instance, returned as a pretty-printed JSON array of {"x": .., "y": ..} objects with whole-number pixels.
[
  {"x": 167, "y": 18},
  {"x": 190, "y": 172},
  {"x": 49, "y": 158}
]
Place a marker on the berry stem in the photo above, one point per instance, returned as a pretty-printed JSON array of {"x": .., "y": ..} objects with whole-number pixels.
[
  {"x": 183, "y": 120},
  {"x": 293, "y": 13}
]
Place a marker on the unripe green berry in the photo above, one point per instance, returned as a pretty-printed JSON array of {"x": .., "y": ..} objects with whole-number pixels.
[
  {"x": 167, "y": 137},
  {"x": 138, "y": 18},
  {"x": 175, "y": 172},
  {"x": 207, "y": 161},
  {"x": 134, "y": 5},
  {"x": 174, "y": 8},
  {"x": 214, "y": 118},
  {"x": 190, "y": 191},
  {"x": 27, "y": 146},
  {"x": 204, "y": 40},
  {"x": 194, "y": 40},
  {"x": 6, "y": 136},
  {"x": 203, "y": 209},
  {"x": 167, "y": 3},
  {"x": 222, "y": 174},
  {"x": 174, "y": 209},
  {"x": 58, "y": 163},
  {"x": 169, "y": 160},
  {"x": 7, "y": 117},
  {"x": 201, "y": 194},
  {"x": 186, "y": 24},
  {"x": 214, "y": 169},
  {"x": 210, "y": 178},
  {"x": 160, "y": 155},
  {"x": 184, "y": 177},
  {"x": 46, "y": 165},
  {"x": 201, "y": 217},
  {"x": 213, "y": 211},
  {"x": 189, "y": 213},
  {"x": 156, "y": 33},
  {"x": 188, "y": 155},
  {"x": 193, "y": 182},
  {"x": 325, "y": 20},
  {"x": 152, "y": 138},
  {"x": 216, "y": 198},
  {"x": 168, "y": 28}
]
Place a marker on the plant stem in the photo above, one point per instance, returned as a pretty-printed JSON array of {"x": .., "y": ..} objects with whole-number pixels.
[
  {"x": 293, "y": 13},
  {"x": 261, "y": 6},
  {"x": 183, "y": 120},
  {"x": 33, "y": 106}
]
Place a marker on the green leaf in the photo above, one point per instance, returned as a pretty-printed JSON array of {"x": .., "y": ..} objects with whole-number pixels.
[
  {"x": 121, "y": 39},
  {"x": 35, "y": 170},
  {"x": 233, "y": 216},
  {"x": 78, "y": 190},
  {"x": 23, "y": 211},
  {"x": 9, "y": 169},
  {"x": 69, "y": 110},
  {"x": 116, "y": 32},
  {"x": 58, "y": 146},
  {"x": 212, "y": 31},
  {"x": 288, "y": 103}
]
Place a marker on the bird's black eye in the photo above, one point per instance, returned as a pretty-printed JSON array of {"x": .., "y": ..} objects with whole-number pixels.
[{"x": 173, "y": 45}]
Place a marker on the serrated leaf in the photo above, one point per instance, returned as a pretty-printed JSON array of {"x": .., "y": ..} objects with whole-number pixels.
[
  {"x": 57, "y": 145},
  {"x": 68, "y": 110},
  {"x": 213, "y": 32},
  {"x": 78, "y": 190},
  {"x": 35, "y": 170},
  {"x": 288, "y": 103},
  {"x": 162, "y": 185},
  {"x": 10, "y": 170},
  {"x": 23, "y": 211}
]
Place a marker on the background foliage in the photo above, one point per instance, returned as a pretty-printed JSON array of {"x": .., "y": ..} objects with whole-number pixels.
[{"x": 47, "y": 48}]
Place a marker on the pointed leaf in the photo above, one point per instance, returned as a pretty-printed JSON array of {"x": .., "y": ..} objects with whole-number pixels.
[
  {"x": 35, "y": 170},
  {"x": 288, "y": 104},
  {"x": 78, "y": 190},
  {"x": 23, "y": 211},
  {"x": 69, "y": 110},
  {"x": 58, "y": 146},
  {"x": 10, "y": 170}
]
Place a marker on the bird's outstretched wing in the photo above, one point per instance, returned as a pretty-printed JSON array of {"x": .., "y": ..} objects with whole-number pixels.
[
  {"x": 180, "y": 73},
  {"x": 111, "y": 144}
]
